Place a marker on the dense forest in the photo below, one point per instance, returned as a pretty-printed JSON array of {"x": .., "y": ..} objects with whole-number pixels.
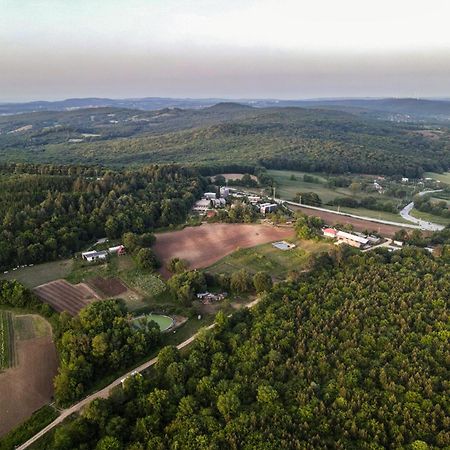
[
  {"x": 352, "y": 356},
  {"x": 48, "y": 212},
  {"x": 278, "y": 138}
]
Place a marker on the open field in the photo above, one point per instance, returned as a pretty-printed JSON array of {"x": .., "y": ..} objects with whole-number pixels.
[
  {"x": 39, "y": 274},
  {"x": 267, "y": 258},
  {"x": 6, "y": 340},
  {"x": 108, "y": 287},
  {"x": 28, "y": 385},
  {"x": 430, "y": 217},
  {"x": 381, "y": 215},
  {"x": 287, "y": 188},
  {"x": 442, "y": 177},
  {"x": 204, "y": 245},
  {"x": 63, "y": 296},
  {"x": 358, "y": 224}
]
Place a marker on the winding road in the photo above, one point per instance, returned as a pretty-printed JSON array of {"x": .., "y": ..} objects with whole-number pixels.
[{"x": 423, "y": 224}]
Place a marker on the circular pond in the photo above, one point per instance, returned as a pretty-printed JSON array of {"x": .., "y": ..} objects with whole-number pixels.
[{"x": 164, "y": 322}]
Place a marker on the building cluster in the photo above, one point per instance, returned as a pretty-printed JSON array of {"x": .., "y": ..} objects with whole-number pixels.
[
  {"x": 212, "y": 200},
  {"x": 95, "y": 255},
  {"x": 357, "y": 240},
  {"x": 207, "y": 297}
]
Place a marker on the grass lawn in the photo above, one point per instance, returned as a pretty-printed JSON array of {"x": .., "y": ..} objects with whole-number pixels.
[
  {"x": 442, "y": 177},
  {"x": 267, "y": 258},
  {"x": 430, "y": 217},
  {"x": 382, "y": 215},
  {"x": 40, "y": 273},
  {"x": 287, "y": 188}
]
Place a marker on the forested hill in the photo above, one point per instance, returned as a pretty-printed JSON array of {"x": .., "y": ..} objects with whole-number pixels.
[
  {"x": 354, "y": 356},
  {"x": 295, "y": 138}
]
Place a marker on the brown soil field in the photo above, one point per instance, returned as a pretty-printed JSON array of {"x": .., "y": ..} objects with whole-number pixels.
[
  {"x": 108, "y": 287},
  {"x": 204, "y": 245},
  {"x": 29, "y": 385},
  {"x": 358, "y": 224},
  {"x": 63, "y": 296}
]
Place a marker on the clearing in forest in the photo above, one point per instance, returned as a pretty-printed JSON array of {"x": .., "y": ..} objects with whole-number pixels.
[{"x": 204, "y": 245}]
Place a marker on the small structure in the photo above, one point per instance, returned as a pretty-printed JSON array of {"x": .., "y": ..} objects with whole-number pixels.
[
  {"x": 405, "y": 179},
  {"x": 283, "y": 245},
  {"x": 94, "y": 255},
  {"x": 207, "y": 297},
  {"x": 218, "y": 202},
  {"x": 329, "y": 232},
  {"x": 254, "y": 199},
  {"x": 224, "y": 192},
  {"x": 398, "y": 243},
  {"x": 267, "y": 208},
  {"x": 352, "y": 239},
  {"x": 209, "y": 195},
  {"x": 118, "y": 249},
  {"x": 202, "y": 205}
]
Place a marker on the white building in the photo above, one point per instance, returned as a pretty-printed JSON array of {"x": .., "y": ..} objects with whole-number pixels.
[
  {"x": 329, "y": 232},
  {"x": 267, "y": 208},
  {"x": 224, "y": 192},
  {"x": 94, "y": 255},
  {"x": 202, "y": 205},
  {"x": 209, "y": 195},
  {"x": 352, "y": 239},
  {"x": 253, "y": 199}
]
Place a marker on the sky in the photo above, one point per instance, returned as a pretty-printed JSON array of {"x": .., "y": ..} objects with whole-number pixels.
[{"x": 289, "y": 49}]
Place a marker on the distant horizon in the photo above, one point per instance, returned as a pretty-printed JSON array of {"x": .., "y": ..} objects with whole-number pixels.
[{"x": 445, "y": 97}]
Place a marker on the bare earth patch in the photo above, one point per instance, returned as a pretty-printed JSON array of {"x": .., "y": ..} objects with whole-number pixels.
[
  {"x": 108, "y": 287},
  {"x": 358, "y": 224},
  {"x": 63, "y": 296},
  {"x": 29, "y": 385},
  {"x": 204, "y": 245}
]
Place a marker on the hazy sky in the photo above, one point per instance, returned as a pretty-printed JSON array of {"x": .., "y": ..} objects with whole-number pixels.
[{"x": 54, "y": 49}]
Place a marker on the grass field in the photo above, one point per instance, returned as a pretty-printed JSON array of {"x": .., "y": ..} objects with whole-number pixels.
[
  {"x": 40, "y": 273},
  {"x": 442, "y": 177},
  {"x": 267, "y": 258},
  {"x": 382, "y": 215},
  {"x": 430, "y": 217},
  {"x": 287, "y": 188},
  {"x": 6, "y": 339}
]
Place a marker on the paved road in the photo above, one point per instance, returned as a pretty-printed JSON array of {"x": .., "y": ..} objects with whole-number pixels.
[
  {"x": 423, "y": 224},
  {"x": 105, "y": 392},
  {"x": 332, "y": 211}
]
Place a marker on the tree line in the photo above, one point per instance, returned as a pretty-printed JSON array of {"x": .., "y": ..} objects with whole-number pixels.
[{"x": 51, "y": 212}]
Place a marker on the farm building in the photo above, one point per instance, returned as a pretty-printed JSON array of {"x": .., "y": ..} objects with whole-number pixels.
[
  {"x": 119, "y": 249},
  {"x": 94, "y": 255},
  {"x": 329, "y": 232},
  {"x": 267, "y": 208},
  {"x": 202, "y": 205},
  {"x": 209, "y": 195},
  {"x": 253, "y": 199},
  {"x": 352, "y": 239},
  {"x": 218, "y": 202}
]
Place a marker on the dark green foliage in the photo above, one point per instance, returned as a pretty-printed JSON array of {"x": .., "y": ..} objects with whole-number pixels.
[
  {"x": 241, "y": 281},
  {"x": 186, "y": 284},
  {"x": 277, "y": 138},
  {"x": 49, "y": 212},
  {"x": 353, "y": 357},
  {"x": 146, "y": 259},
  {"x": 308, "y": 227},
  {"x": 308, "y": 198},
  {"x": 100, "y": 340},
  {"x": 262, "y": 281}
]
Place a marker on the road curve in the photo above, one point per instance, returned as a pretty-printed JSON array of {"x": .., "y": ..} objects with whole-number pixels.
[
  {"x": 105, "y": 392},
  {"x": 423, "y": 224}
]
